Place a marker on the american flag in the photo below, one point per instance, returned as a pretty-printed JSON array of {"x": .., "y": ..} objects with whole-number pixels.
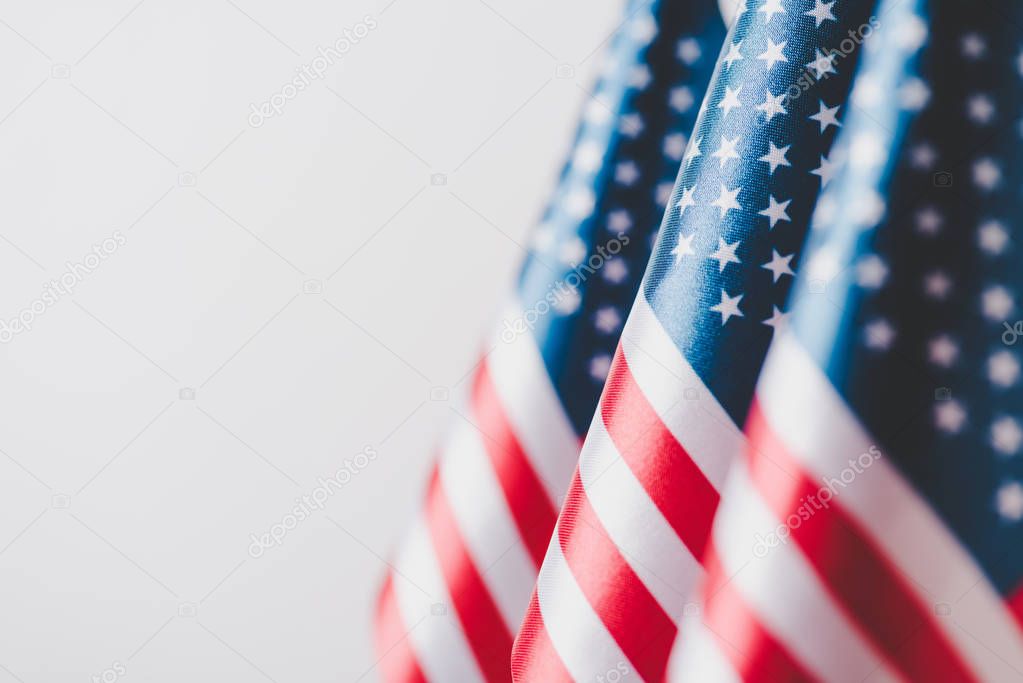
[
  {"x": 629, "y": 543},
  {"x": 874, "y": 528},
  {"x": 870, "y": 525},
  {"x": 461, "y": 582}
]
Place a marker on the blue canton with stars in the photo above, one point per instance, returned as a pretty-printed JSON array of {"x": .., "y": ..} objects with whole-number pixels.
[
  {"x": 911, "y": 295},
  {"x": 739, "y": 212},
  {"x": 613, "y": 192}
]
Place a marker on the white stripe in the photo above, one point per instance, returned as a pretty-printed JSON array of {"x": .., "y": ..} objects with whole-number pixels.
[
  {"x": 438, "y": 641},
  {"x": 637, "y": 528},
  {"x": 780, "y": 586},
  {"x": 576, "y": 632},
  {"x": 889, "y": 509},
  {"x": 533, "y": 408},
  {"x": 486, "y": 524},
  {"x": 697, "y": 657},
  {"x": 678, "y": 395}
]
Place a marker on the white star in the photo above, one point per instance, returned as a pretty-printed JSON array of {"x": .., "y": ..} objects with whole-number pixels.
[
  {"x": 777, "y": 319},
  {"x": 1009, "y": 501},
  {"x": 728, "y": 307},
  {"x": 776, "y": 211},
  {"x": 773, "y": 54},
  {"x": 543, "y": 238},
  {"x": 569, "y": 302},
  {"x": 683, "y": 248},
  {"x": 725, "y": 253},
  {"x": 779, "y": 265},
  {"x": 626, "y": 173},
  {"x": 822, "y": 64},
  {"x": 937, "y": 285},
  {"x": 973, "y": 46},
  {"x": 992, "y": 237},
  {"x": 986, "y": 174},
  {"x": 600, "y": 366},
  {"x": 949, "y": 416},
  {"x": 821, "y": 11},
  {"x": 914, "y": 94},
  {"x": 597, "y": 112},
  {"x": 827, "y": 116},
  {"x": 772, "y": 105},
  {"x": 942, "y": 351},
  {"x": 588, "y": 157},
  {"x": 980, "y": 109},
  {"x": 681, "y": 98},
  {"x": 579, "y": 202},
  {"x": 826, "y": 171},
  {"x": 727, "y": 150},
  {"x": 689, "y": 50},
  {"x": 1002, "y": 369},
  {"x": 770, "y": 8},
  {"x": 867, "y": 151},
  {"x": 639, "y": 77},
  {"x": 879, "y": 334},
  {"x": 733, "y": 54},
  {"x": 730, "y": 101},
  {"x": 997, "y": 303},
  {"x": 607, "y": 319},
  {"x": 775, "y": 156},
  {"x": 929, "y": 221},
  {"x": 675, "y": 146},
  {"x": 643, "y": 29},
  {"x": 619, "y": 221},
  {"x": 687, "y": 199},
  {"x": 693, "y": 151},
  {"x": 630, "y": 125},
  {"x": 923, "y": 156},
  {"x": 871, "y": 272},
  {"x": 727, "y": 200},
  {"x": 572, "y": 251},
  {"x": 615, "y": 271}
]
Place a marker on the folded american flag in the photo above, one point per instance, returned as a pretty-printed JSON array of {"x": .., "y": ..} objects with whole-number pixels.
[
  {"x": 461, "y": 582},
  {"x": 870, "y": 525},
  {"x": 629, "y": 543}
]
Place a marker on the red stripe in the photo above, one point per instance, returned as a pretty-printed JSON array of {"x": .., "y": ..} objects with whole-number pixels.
[
  {"x": 642, "y": 629},
  {"x": 534, "y": 658},
  {"x": 533, "y": 511},
  {"x": 857, "y": 572},
  {"x": 675, "y": 484},
  {"x": 755, "y": 654},
  {"x": 481, "y": 621},
  {"x": 397, "y": 662},
  {"x": 1015, "y": 604}
]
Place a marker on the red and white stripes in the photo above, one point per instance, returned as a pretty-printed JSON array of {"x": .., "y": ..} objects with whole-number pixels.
[
  {"x": 628, "y": 544},
  {"x": 462, "y": 581},
  {"x": 847, "y": 588}
]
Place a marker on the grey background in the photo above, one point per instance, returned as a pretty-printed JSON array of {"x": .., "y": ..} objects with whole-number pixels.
[{"x": 286, "y": 296}]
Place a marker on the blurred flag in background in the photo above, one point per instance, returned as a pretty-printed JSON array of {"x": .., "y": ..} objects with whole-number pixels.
[{"x": 461, "y": 581}]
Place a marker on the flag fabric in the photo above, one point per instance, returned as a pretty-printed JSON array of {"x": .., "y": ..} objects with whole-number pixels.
[
  {"x": 461, "y": 582},
  {"x": 873, "y": 531},
  {"x": 630, "y": 540}
]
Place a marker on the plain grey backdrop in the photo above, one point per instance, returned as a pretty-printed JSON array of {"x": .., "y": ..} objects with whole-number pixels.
[{"x": 205, "y": 310}]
